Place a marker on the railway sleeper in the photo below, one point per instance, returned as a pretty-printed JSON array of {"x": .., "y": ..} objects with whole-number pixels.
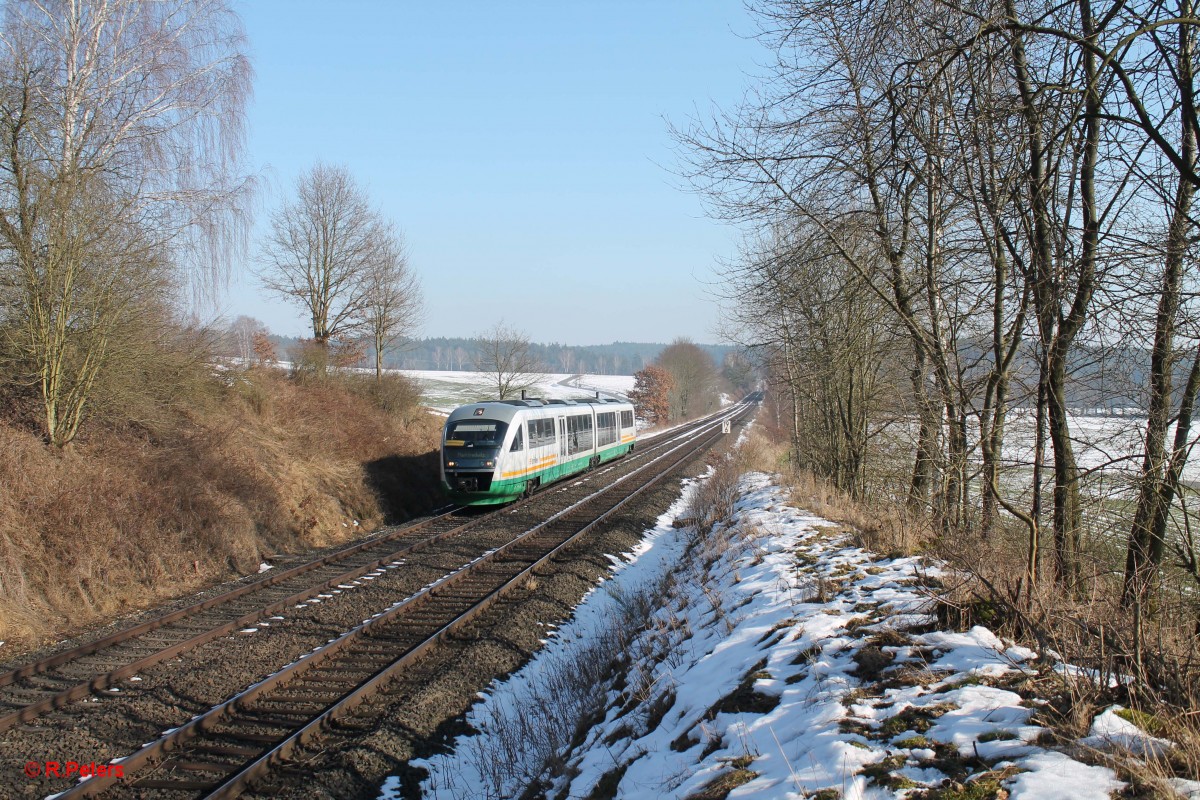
[
  {"x": 291, "y": 705},
  {"x": 311, "y": 689},
  {"x": 377, "y": 652},
  {"x": 99, "y": 664},
  {"x": 18, "y": 698},
  {"x": 460, "y": 598},
  {"x": 423, "y": 617},
  {"x": 51, "y": 681},
  {"x": 191, "y": 628},
  {"x": 380, "y": 644},
  {"x": 315, "y": 694},
  {"x": 259, "y": 738},
  {"x": 354, "y": 655},
  {"x": 159, "y": 643},
  {"x": 161, "y": 784},
  {"x": 201, "y": 766},
  {"x": 401, "y": 641},
  {"x": 218, "y": 749},
  {"x": 329, "y": 680},
  {"x": 276, "y": 719},
  {"x": 347, "y": 669}
]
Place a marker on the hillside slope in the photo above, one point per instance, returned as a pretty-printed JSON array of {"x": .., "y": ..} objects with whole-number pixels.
[{"x": 260, "y": 465}]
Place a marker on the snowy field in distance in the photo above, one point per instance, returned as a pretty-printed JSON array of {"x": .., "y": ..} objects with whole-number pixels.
[{"x": 445, "y": 391}]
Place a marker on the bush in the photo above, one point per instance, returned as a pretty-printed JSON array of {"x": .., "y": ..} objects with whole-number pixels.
[{"x": 393, "y": 393}]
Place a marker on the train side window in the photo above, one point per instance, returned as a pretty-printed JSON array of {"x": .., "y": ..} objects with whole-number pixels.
[
  {"x": 606, "y": 428},
  {"x": 518, "y": 441},
  {"x": 579, "y": 432},
  {"x": 541, "y": 432},
  {"x": 626, "y": 419}
]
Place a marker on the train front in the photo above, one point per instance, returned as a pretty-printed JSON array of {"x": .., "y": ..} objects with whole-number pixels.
[{"x": 471, "y": 448}]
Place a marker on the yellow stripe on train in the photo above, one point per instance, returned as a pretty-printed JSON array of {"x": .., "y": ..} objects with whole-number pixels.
[{"x": 545, "y": 462}]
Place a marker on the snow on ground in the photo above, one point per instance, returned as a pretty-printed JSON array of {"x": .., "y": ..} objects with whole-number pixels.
[{"x": 781, "y": 662}]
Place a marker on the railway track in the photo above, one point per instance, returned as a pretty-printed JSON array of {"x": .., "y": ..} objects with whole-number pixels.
[
  {"x": 34, "y": 689},
  {"x": 222, "y": 751},
  {"x": 58, "y": 680}
]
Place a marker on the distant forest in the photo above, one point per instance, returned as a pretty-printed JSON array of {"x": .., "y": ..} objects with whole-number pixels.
[{"x": 618, "y": 358}]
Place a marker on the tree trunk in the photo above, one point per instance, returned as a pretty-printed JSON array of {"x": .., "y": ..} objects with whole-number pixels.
[{"x": 1157, "y": 485}]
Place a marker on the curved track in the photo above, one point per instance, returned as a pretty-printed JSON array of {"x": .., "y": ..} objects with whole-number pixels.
[
  {"x": 39, "y": 687},
  {"x": 222, "y": 750}
]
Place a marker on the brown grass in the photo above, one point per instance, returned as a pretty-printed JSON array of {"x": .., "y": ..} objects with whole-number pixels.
[
  {"x": 1151, "y": 665},
  {"x": 881, "y": 528},
  {"x": 133, "y": 514}
]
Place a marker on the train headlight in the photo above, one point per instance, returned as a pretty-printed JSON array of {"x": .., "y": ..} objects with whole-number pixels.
[
  {"x": 449, "y": 463},
  {"x": 489, "y": 463}
]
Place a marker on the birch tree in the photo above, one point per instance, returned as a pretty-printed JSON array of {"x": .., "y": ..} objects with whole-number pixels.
[{"x": 122, "y": 125}]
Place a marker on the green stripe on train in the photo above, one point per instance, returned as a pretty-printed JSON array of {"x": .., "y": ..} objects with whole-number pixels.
[{"x": 507, "y": 491}]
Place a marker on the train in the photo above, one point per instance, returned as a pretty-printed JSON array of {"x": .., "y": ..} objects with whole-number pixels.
[{"x": 499, "y": 451}]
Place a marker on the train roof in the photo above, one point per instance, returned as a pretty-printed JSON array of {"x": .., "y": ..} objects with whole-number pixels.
[{"x": 506, "y": 410}]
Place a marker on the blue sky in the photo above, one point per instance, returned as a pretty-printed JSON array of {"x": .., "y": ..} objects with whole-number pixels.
[{"x": 521, "y": 147}]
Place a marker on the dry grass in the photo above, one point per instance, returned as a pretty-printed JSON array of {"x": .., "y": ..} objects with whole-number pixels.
[
  {"x": 255, "y": 465},
  {"x": 882, "y": 528},
  {"x": 1151, "y": 664}
]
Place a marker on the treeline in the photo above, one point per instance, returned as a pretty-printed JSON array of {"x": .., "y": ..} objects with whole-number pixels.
[
  {"x": 961, "y": 209},
  {"x": 462, "y": 354}
]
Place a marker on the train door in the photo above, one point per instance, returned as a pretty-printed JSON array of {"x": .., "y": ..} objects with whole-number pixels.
[
  {"x": 519, "y": 452},
  {"x": 562, "y": 439}
]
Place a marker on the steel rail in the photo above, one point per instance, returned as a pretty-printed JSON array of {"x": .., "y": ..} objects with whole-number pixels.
[
  {"x": 163, "y": 747},
  {"x": 66, "y": 656},
  {"x": 103, "y": 681}
]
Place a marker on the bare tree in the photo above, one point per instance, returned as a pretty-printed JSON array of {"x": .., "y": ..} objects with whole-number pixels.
[
  {"x": 122, "y": 124},
  {"x": 504, "y": 353},
  {"x": 1162, "y": 468},
  {"x": 321, "y": 248},
  {"x": 693, "y": 378},
  {"x": 242, "y": 332},
  {"x": 392, "y": 302}
]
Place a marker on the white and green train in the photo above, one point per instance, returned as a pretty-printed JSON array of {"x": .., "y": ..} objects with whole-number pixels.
[{"x": 498, "y": 451}]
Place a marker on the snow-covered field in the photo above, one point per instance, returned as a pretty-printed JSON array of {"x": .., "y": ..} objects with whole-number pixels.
[
  {"x": 1113, "y": 443},
  {"x": 446, "y": 390},
  {"x": 781, "y": 662}
]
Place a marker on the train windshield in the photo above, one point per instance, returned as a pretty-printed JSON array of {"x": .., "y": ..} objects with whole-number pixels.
[{"x": 476, "y": 433}]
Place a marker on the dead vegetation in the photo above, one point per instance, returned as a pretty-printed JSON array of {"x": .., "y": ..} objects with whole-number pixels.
[
  {"x": 1149, "y": 665},
  {"x": 162, "y": 498}
]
